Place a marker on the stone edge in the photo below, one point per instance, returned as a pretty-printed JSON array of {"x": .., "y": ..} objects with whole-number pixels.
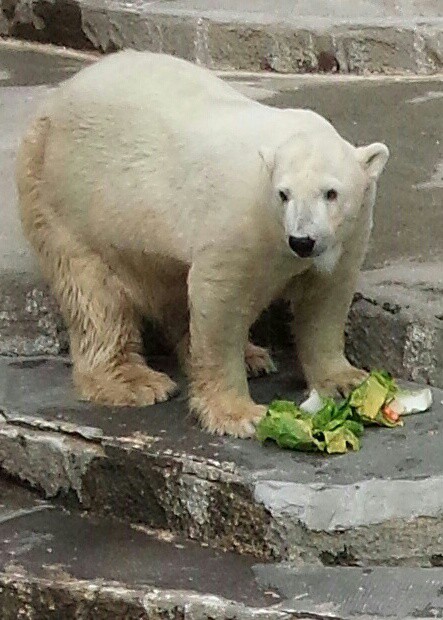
[
  {"x": 24, "y": 596},
  {"x": 408, "y": 342},
  {"x": 28, "y": 597}
]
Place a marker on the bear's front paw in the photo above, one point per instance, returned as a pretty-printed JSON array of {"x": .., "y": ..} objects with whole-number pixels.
[
  {"x": 341, "y": 383},
  {"x": 258, "y": 361},
  {"x": 228, "y": 415}
]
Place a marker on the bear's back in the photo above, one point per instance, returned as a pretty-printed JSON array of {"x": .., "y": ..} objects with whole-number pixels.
[{"x": 147, "y": 80}]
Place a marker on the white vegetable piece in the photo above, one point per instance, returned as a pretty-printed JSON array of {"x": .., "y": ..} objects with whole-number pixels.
[
  {"x": 408, "y": 401},
  {"x": 313, "y": 403}
]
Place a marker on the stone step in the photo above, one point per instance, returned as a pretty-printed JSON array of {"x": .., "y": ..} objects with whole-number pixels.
[
  {"x": 59, "y": 564},
  {"x": 355, "y": 593},
  {"x": 154, "y": 466},
  {"x": 291, "y": 36}
]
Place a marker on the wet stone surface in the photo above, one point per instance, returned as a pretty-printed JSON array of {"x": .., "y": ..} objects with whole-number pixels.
[
  {"x": 31, "y": 67},
  {"x": 46, "y": 539}
]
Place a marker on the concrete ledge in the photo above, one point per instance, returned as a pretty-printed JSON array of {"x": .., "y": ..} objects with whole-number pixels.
[
  {"x": 286, "y": 39},
  {"x": 155, "y": 467},
  {"x": 396, "y": 322},
  {"x": 56, "y": 563},
  {"x": 42, "y": 599},
  {"x": 338, "y": 594}
]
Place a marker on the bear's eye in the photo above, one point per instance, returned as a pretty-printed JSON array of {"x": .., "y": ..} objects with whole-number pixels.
[
  {"x": 331, "y": 194},
  {"x": 283, "y": 196}
]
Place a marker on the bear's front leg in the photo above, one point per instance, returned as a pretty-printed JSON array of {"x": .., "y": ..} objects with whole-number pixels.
[
  {"x": 320, "y": 303},
  {"x": 219, "y": 320}
]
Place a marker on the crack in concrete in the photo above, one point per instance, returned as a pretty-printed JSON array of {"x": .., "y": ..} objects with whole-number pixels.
[
  {"x": 16, "y": 514},
  {"x": 87, "y": 433}
]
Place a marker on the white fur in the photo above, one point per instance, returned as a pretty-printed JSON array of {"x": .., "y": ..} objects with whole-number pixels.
[{"x": 327, "y": 261}]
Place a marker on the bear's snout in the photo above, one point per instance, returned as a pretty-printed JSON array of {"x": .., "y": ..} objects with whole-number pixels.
[{"x": 302, "y": 246}]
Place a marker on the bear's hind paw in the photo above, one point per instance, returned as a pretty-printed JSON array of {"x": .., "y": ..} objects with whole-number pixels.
[{"x": 130, "y": 385}]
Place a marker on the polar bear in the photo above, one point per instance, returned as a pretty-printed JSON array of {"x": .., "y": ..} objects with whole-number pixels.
[{"x": 150, "y": 187}]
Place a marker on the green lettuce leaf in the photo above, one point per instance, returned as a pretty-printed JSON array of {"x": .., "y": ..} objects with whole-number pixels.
[
  {"x": 329, "y": 430},
  {"x": 288, "y": 427},
  {"x": 369, "y": 397},
  {"x": 339, "y": 440}
]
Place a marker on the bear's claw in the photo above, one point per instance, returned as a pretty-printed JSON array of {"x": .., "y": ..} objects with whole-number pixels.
[
  {"x": 258, "y": 361},
  {"x": 341, "y": 383}
]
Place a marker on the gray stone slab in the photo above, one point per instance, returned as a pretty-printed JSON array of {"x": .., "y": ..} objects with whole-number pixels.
[
  {"x": 396, "y": 321},
  {"x": 28, "y": 65},
  {"x": 373, "y": 592},
  {"x": 384, "y": 503},
  {"x": 56, "y": 563},
  {"x": 408, "y": 285},
  {"x": 52, "y": 561}
]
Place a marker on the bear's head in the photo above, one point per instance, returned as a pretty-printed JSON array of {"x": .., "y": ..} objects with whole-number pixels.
[{"x": 321, "y": 187}]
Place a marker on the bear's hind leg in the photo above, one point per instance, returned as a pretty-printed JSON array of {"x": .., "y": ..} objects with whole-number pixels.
[
  {"x": 106, "y": 344},
  {"x": 99, "y": 312},
  {"x": 102, "y": 320},
  {"x": 258, "y": 362}
]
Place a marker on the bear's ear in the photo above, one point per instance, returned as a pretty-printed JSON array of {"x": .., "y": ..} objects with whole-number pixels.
[
  {"x": 268, "y": 157},
  {"x": 373, "y": 158}
]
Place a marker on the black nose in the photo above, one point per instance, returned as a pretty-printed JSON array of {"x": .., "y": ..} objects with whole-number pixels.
[{"x": 302, "y": 246}]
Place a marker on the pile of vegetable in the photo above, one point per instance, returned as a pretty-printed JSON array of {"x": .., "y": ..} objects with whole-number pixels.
[{"x": 322, "y": 424}]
